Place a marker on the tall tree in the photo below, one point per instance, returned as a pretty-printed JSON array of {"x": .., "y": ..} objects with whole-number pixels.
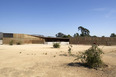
[{"x": 84, "y": 31}]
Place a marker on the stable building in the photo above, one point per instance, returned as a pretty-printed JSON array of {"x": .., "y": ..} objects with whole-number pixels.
[
  {"x": 51, "y": 40},
  {"x": 6, "y": 38}
]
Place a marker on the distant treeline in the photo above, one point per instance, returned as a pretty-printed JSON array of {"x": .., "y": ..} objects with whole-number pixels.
[{"x": 84, "y": 33}]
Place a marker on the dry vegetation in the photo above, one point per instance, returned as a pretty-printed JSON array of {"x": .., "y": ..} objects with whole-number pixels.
[{"x": 40, "y": 60}]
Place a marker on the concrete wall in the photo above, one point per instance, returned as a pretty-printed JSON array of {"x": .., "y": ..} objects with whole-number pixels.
[
  {"x": 61, "y": 43},
  {"x": 1, "y": 42}
]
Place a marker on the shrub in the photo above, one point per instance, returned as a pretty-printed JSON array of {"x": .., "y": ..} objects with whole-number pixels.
[
  {"x": 18, "y": 43},
  {"x": 56, "y": 45},
  {"x": 91, "y": 57},
  {"x": 11, "y": 42},
  {"x": 69, "y": 49}
]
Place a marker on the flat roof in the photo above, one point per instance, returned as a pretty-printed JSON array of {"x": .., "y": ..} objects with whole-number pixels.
[{"x": 51, "y": 37}]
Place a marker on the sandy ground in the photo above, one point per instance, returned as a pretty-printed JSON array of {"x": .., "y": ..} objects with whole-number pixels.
[{"x": 40, "y": 60}]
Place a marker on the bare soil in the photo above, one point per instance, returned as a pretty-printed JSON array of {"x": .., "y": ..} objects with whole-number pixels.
[{"x": 38, "y": 60}]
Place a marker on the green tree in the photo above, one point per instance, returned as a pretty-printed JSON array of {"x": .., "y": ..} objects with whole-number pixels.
[
  {"x": 63, "y": 35},
  {"x": 67, "y": 36},
  {"x": 103, "y": 36},
  {"x": 84, "y": 31},
  {"x": 113, "y": 35},
  {"x": 60, "y": 34},
  {"x": 94, "y": 36},
  {"x": 76, "y": 35}
]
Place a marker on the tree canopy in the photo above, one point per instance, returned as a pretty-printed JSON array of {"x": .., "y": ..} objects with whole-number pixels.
[
  {"x": 84, "y": 31},
  {"x": 63, "y": 35},
  {"x": 113, "y": 35},
  {"x": 60, "y": 34},
  {"x": 76, "y": 35}
]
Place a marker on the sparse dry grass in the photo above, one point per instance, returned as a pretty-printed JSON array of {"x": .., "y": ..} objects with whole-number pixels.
[{"x": 32, "y": 61}]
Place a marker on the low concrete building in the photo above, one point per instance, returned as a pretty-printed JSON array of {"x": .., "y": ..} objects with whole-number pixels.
[{"x": 52, "y": 40}]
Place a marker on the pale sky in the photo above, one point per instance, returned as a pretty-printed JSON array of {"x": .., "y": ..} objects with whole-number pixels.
[{"x": 48, "y": 17}]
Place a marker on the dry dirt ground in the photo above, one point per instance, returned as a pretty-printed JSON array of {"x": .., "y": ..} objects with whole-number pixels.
[{"x": 40, "y": 60}]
